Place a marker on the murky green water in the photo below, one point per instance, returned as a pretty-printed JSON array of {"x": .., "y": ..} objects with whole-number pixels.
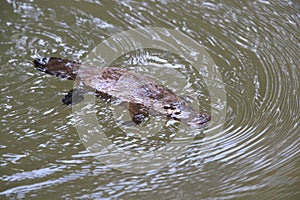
[{"x": 255, "y": 46}]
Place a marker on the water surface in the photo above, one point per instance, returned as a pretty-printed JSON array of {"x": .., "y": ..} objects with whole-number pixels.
[{"x": 254, "y": 45}]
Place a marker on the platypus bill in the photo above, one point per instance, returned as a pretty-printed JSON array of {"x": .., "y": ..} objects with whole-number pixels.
[{"x": 141, "y": 93}]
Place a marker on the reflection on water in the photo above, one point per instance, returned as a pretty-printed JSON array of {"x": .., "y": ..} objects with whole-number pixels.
[{"x": 255, "y": 46}]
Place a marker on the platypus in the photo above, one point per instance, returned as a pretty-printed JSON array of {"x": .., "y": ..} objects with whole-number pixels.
[{"x": 139, "y": 92}]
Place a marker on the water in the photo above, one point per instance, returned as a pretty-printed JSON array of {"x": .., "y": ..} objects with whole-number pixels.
[{"x": 254, "y": 45}]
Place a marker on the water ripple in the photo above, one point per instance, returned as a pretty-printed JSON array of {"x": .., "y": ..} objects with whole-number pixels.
[{"x": 255, "y": 45}]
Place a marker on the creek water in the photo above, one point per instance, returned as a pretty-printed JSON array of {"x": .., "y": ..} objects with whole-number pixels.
[{"x": 249, "y": 150}]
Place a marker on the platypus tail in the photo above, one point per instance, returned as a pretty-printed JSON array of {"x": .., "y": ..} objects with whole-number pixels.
[{"x": 59, "y": 67}]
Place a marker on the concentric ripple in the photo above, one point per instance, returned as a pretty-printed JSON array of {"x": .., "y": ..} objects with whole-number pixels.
[{"x": 255, "y": 45}]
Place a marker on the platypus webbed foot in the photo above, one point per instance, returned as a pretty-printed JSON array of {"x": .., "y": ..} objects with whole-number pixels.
[
  {"x": 138, "y": 112},
  {"x": 74, "y": 96}
]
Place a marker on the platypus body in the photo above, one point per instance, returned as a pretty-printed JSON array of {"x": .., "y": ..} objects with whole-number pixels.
[{"x": 140, "y": 93}]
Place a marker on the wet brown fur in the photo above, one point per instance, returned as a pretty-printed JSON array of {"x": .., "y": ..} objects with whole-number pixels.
[{"x": 141, "y": 93}]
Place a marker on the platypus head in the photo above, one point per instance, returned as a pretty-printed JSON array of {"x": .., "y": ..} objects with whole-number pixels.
[
  {"x": 188, "y": 115},
  {"x": 61, "y": 68}
]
